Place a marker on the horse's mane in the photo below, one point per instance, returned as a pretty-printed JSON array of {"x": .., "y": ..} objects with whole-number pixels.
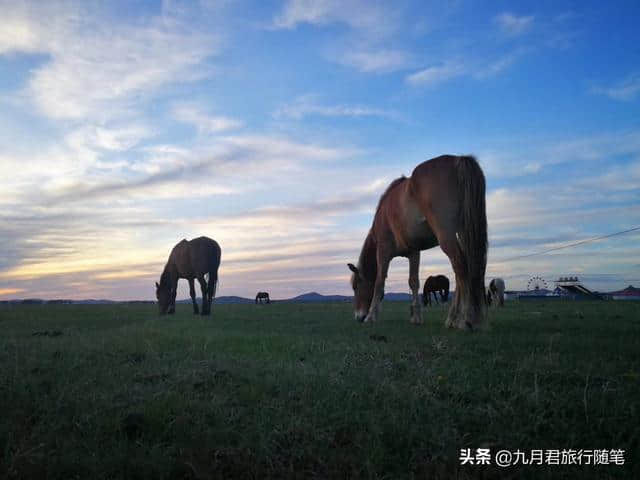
[
  {"x": 368, "y": 268},
  {"x": 391, "y": 186},
  {"x": 165, "y": 277}
]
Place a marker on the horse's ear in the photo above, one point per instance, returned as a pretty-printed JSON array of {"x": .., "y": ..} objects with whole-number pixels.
[{"x": 353, "y": 268}]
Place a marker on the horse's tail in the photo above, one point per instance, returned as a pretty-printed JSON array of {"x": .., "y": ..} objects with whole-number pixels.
[
  {"x": 213, "y": 272},
  {"x": 472, "y": 235},
  {"x": 445, "y": 297}
]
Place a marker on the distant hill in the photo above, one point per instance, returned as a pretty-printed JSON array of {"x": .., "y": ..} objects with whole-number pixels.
[
  {"x": 317, "y": 297},
  {"x": 92, "y": 301},
  {"x": 221, "y": 300},
  {"x": 310, "y": 297},
  {"x": 397, "y": 297}
]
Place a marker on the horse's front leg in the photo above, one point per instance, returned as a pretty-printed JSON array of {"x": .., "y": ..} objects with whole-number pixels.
[
  {"x": 378, "y": 289},
  {"x": 414, "y": 285},
  {"x": 174, "y": 292}
]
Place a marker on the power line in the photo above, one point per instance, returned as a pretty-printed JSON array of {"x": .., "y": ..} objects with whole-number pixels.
[{"x": 572, "y": 244}]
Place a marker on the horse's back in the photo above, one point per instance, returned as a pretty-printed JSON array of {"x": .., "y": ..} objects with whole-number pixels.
[
  {"x": 205, "y": 254},
  {"x": 436, "y": 181},
  {"x": 192, "y": 258}
]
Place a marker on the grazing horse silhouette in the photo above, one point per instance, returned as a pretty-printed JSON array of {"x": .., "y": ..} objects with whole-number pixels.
[
  {"x": 495, "y": 292},
  {"x": 435, "y": 284},
  {"x": 190, "y": 259},
  {"x": 442, "y": 203},
  {"x": 263, "y": 296}
]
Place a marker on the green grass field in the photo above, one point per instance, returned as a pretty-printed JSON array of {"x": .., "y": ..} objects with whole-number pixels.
[{"x": 302, "y": 391}]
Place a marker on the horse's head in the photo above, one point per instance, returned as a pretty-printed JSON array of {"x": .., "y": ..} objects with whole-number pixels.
[
  {"x": 362, "y": 292},
  {"x": 163, "y": 294}
]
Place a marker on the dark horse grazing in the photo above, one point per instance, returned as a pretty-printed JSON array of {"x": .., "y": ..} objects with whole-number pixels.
[
  {"x": 190, "y": 260},
  {"x": 435, "y": 284},
  {"x": 263, "y": 296},
  {"x": 442, "y": 203}
]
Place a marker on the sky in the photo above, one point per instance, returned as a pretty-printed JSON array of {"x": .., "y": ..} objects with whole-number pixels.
[{"x": 274, "y": 127}]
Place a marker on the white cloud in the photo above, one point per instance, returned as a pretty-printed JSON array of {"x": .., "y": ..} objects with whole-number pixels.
[
  {"x": 370, "y": 25},
  {"x": 373, "y": 17},
  {"x": 97, "y": 69},
  {"x": 307, "y": 105},
  {"x": 203, "y": 122},
  {"x": 625, "y": 90},
  {"x": 17, "y": 35},
  {"x": 514, "y": 25},
  {"x": 537, "y": 155},
  {"x": 286, "y": 151},
  {"x": 492, "y": 68},
  {"x": 374, "y": 60},
  {"x": 436, "y": 74},
  {"x": 477, "y": 68}
]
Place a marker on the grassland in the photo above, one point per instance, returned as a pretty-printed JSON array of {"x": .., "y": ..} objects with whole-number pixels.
[{"x": 302, "y": 391}]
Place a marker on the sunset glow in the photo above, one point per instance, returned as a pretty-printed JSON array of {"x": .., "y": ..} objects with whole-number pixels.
[{"x": 274, "y": 127}]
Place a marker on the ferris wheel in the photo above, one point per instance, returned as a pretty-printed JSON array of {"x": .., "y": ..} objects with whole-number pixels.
[{"x": 536, "y": 283}]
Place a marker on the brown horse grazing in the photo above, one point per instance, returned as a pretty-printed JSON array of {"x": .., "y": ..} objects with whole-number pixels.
[
  {"x": 495, "y": 292},
  {"x": 435, "y": 284},
  {"x": 263, "y": 296},
  {"x": 190, "y": 260},
  {"x": 442, "y": 203}
]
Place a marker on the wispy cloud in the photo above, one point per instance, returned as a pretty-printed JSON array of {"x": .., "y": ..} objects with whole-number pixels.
[
  {"x": 204, "y": 122},
  {"x": 369, "y": 26},
  {"x": 540, "y": 155},
  {"x": 309, "y": 105},
  {"x": 372, "y": 17},
  {"x": 94, "y": 70},
  {"x": 512, "y": 24},
  {"x": 493, "y": 67},
  {"x": 436, "y": 74},
  {"x": 124, "y": 130},
  {"x": 374, "y": 60},
  {"x": 625, "y": 90}
]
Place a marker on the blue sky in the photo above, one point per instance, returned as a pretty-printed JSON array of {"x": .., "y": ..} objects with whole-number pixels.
[{"x": 273, "y": 127}]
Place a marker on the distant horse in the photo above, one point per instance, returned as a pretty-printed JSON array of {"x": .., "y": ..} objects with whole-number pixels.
[
  {"x": 263, "y": 296},
  {"x": 442, "y": 203},
  {"x": 495, "y": 292},
  {"x": 190, "y": 259},
  {"x": 435, "y": 284}
]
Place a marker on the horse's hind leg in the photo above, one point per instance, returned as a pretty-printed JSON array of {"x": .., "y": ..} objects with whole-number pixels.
[
  {"x": 203, "y": 288},
  {"x": 192, "y": 292},
  {"x": 459, "y": 311},
  {"x": 414, "y": 285}
]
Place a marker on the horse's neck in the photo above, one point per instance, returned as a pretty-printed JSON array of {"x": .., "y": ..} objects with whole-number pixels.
[
  {"x": 368, "y": 263},
  {"x": 168, "y": 273}
]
